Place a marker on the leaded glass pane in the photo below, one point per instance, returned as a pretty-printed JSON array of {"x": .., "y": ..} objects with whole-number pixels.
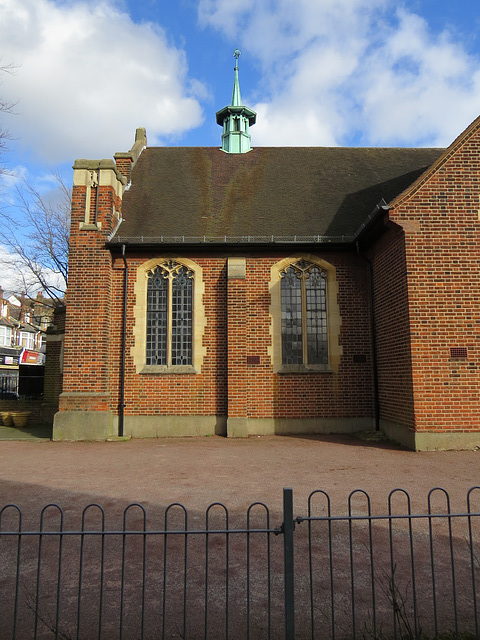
[
  {"x": 157, "y": 310},
  {"x": 304, "y": 314},
  {"x": 316, "y": 318},
  {"x": 291, "y": 294},
  {"x": 182, "y": 314}
]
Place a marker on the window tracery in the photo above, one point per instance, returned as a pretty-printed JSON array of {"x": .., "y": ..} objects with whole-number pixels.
[
  {"x": 169, "y": 339},
  {"x": 304, "y": 318}
]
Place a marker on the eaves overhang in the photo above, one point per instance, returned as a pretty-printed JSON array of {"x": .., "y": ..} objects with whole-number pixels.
[
  {"x": 234, "y": 110},
  {"x": 369, "y": 228}
]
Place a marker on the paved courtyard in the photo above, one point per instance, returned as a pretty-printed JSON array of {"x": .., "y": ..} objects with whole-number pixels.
[{"x": 237, "y": 472}]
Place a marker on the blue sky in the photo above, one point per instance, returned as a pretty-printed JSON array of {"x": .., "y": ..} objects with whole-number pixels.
[{"x": 318, "y": 72}]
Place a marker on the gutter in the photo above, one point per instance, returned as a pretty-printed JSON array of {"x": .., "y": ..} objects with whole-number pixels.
[
  {"x": 252, "y": 240},
  {"x": 381, "y": 207}
]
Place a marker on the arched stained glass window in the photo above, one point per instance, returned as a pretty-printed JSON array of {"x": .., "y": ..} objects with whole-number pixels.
[
  {"x": 169, "y": 315},
  {"x": 304, "y": 314}
]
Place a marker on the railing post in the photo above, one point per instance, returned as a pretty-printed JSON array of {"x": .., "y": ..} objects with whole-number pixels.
[{"x": 288, "y": 528}]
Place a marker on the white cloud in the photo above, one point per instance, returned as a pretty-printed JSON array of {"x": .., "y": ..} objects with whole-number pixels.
[
  {"x": 86, "y": 74},
  {"x": 418, "y": 87},
  {"x": 15, "y": 277},
  {"x": 334, "y": 68},
  {"x": 11, "y": 280}
]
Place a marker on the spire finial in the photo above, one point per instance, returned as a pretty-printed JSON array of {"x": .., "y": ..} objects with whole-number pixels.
[{"x": 236, "y": 99}]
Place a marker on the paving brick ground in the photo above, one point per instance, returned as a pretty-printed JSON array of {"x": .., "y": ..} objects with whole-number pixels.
[
  {"x": 197, "y": 472},
  {"x": 237, "y": 472}
]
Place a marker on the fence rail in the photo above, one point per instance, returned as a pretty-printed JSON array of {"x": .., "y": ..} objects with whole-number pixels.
[
  {"x": 22, "y": 386},
  {"x": 357, "y": 574},
  {"x": 8, "y": 386}
]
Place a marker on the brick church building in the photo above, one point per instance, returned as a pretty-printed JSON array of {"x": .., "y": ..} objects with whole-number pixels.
[{"x": 242, "y": 291}]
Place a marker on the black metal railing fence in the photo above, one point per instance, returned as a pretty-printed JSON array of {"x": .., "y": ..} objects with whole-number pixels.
[
  {"x": 8, "y": 386},
  {"x": 358, "y": 574},
  {"x": 23, "y": 386}
]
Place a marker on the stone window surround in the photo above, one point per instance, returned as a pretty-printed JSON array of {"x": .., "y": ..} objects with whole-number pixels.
[
  {"x": 6, "y": 335},
  {"x": 26, "y": 339},
  {"x": 333, "y": 317},
  {"x": 138, "y": 351}
]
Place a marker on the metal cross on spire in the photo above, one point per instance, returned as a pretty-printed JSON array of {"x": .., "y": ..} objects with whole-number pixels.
[
  {"x": 237, "y": 54},
  {"x": 236, "y": 99}
]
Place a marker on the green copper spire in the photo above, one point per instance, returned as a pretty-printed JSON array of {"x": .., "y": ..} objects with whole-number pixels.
[
  {"x": 236, "y": 99},
  {"x": 236, "y": 119}
]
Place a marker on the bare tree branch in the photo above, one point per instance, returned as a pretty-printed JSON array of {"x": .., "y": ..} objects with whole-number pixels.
[{"x": 35, "y": 232}]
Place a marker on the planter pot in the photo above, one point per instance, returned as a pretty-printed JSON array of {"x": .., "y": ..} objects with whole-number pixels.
[
  {"x": 20, "y": 418},
  {"x": 6, "y": 418}
]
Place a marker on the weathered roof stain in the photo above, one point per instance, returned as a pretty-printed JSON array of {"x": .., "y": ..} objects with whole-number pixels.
[{"x": 282, "y": 191}]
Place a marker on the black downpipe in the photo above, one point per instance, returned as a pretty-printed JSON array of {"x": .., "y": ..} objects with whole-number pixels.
[
  {"x": 373, "y": 331},
  {"x": 121, "y": 402}
]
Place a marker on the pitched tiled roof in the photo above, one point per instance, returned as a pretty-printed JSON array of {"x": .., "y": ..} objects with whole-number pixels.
[
  {"x": 202, "y": 192},
  {"x": 15, "y": 313}
]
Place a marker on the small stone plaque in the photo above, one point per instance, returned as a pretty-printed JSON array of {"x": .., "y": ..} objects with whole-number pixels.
[{"x": 237, "y": 268}]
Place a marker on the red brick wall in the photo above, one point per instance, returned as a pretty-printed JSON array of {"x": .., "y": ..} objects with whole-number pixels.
[
  {"x": 348, "y": 393},
  {"x": 442, "y": 227},
  {"x": 240, "y": 316},
  {"x": 89, "y": 298},
  {"x": 124, "y": 165},
  {"x": 259, "y": 393},
  {"x": 392, "y": 329},
  {"x": 172, "y": 394}
]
